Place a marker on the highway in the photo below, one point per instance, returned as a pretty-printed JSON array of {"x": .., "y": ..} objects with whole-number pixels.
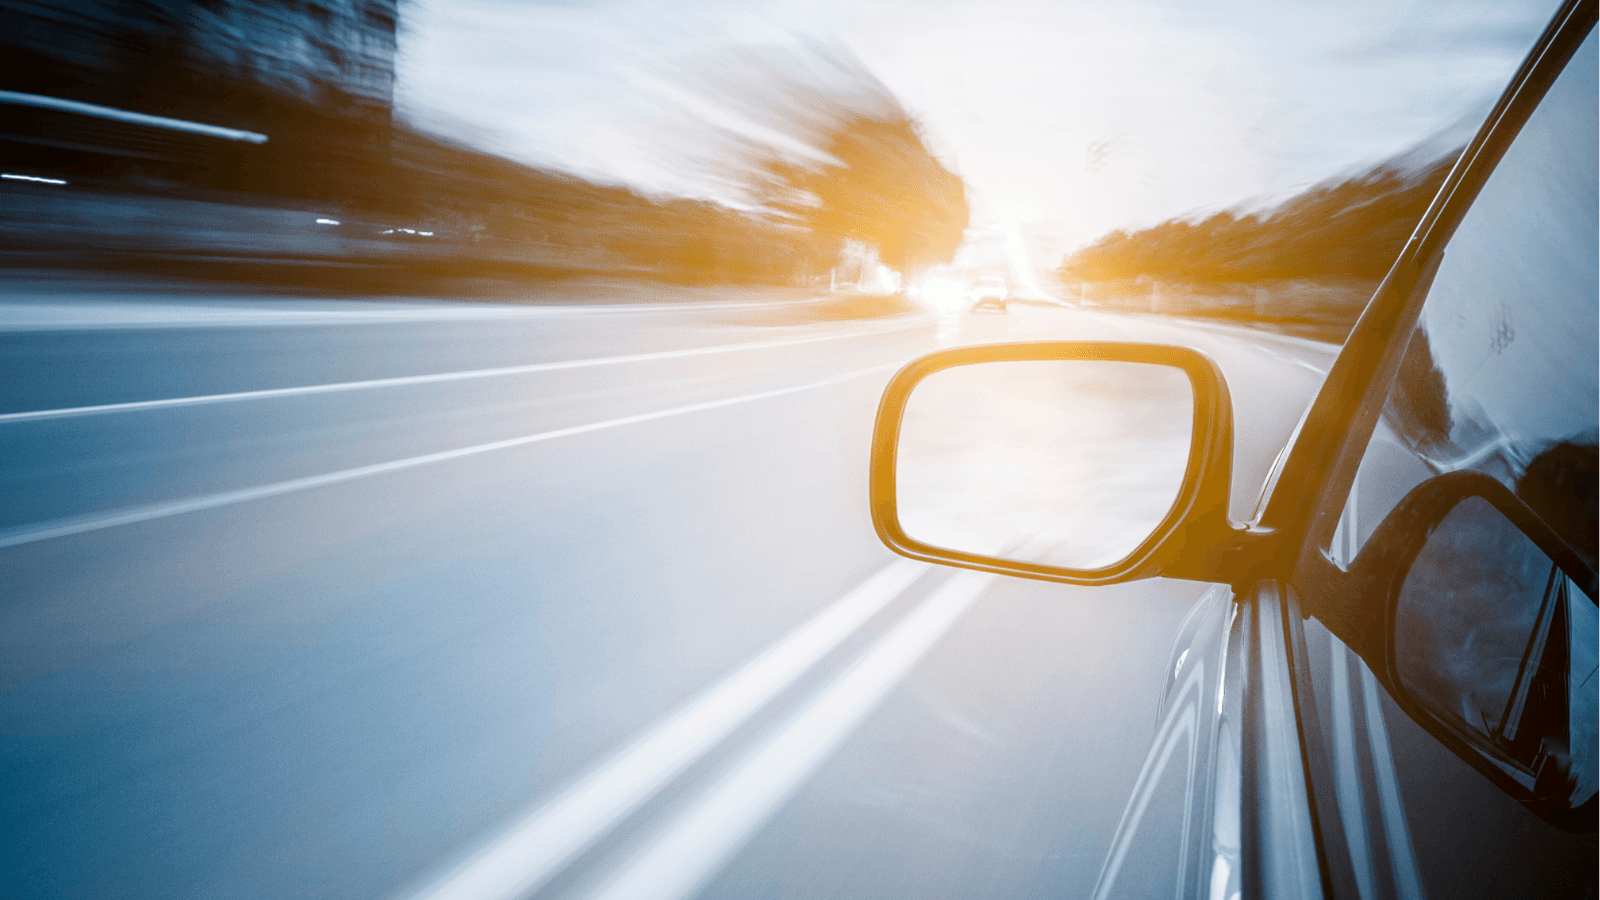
[{"x": 426, "y": 600}]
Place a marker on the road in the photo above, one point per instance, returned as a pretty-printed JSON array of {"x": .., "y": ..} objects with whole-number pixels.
[{"x": 310, "y": 598}]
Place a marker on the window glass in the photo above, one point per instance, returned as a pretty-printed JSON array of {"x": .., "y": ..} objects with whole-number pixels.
[
  {"x": 1481, "y": 584},
  {"x": 1500, "y": 374}
]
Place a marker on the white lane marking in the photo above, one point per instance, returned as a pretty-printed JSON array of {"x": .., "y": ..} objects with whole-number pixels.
[
  {"x": 518, "y": 861},
  {"x": 38, "y": 314},
  {"x": 1321, "y": 371},
  {"x": 123, "y": 115},
  {"x": 1262, "y": 335},
  {"x": 436, "y": 378},
  {"x": 27, "y": 534},
  {"x": 1278, "y": 347},
  {"x": 695, "y": 845},
  {"x": 1273, "y": 346}
]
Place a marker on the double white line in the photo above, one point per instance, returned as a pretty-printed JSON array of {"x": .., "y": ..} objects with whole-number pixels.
[
  {"x": 70, "y": 525},
  {"x": 689, "y": 850},
  {"x": 79, "y": 524},
  {"x": 437, "y": 377}
]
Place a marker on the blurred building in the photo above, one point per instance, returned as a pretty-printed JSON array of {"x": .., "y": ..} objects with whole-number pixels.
[{"x": 288, "y": 97}]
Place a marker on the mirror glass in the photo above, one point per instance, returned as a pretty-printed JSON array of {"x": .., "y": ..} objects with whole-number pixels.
[
  {"x": 1492, "y": 636},
  {"x": 1069, "y": 463}
]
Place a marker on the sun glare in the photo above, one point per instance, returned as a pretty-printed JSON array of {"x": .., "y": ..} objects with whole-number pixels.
[{"x": 942, "y": 291}]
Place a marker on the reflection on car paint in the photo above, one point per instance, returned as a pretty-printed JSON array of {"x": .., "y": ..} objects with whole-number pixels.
[
  {"x": 1350, "y": 788},
  {"x": 1180, "y": 831}
]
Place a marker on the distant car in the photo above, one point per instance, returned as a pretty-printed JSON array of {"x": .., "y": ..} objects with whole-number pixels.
[
  {"x": 989, "y": 292},
  {"x": 1391, "y": 691}
]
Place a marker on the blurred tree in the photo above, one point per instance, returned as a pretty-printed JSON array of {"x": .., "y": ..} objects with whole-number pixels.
[
  {"x": 810, "y": 136},
  {"x": 1352, "y": 228},
  {"x": 882, "y": 186}
]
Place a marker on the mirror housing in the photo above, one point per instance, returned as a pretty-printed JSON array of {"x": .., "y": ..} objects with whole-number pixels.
[
  {"x": 1436, "y": 539},
  {"x": 1192, "y": 540}
]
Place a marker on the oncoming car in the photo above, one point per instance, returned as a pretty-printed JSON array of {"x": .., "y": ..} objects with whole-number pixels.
[
  {"x": 1391, "y": 689},
  {"x": 989, "y": 292}
]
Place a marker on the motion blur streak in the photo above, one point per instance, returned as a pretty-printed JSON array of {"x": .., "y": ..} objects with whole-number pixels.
[
  {"x": 524, "y": 857},
  {"x": 122, "y": 115},
  {"x": 365, "y": 687},
  {"x": 697, "y": 844},
  {"x": 28, "y": 534},
  {"x": 9, "y": 176},
  {"x": 436, "y": 378}
]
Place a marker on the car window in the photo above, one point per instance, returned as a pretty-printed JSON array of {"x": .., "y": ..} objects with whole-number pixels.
[
  {"x": 1499, "y": 376},
  {"x": 1500, "y": 372}
]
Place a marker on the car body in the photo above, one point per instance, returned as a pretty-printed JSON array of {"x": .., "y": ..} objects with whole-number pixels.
[
  {"x": 989, "y": 292},
  {"x": 1326, "y": 730}
]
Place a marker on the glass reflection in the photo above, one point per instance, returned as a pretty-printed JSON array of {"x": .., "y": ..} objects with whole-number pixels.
[
  {"x": 1500, "y": 375},
  {"x": 1070, "y": 463},
  {"x": 1490, "y": 634}
]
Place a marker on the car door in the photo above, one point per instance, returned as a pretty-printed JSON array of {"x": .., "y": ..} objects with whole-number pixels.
[
  {"x": 1493, "y": 370},
  {"x": 1221, "y": 807}
]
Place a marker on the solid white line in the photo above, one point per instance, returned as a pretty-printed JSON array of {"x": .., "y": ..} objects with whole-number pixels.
[
  {"x": 405, "y": 380},
  {"x": 1322, "y": 371},
  {"x": 693, "y": 847},
  {"x": 27, "y": 534},
  {"x": 525, "y": 856},
  {"x": 36, "y": 313},
  {"x": 9, "y": 176},
  {"x": 1264, "y": 336},
  {"x": 123, "y": 115}
]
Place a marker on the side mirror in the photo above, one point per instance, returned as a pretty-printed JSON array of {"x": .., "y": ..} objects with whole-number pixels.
[
  {"x": 1491, "y": 638},
  {"x": 1080, "y": 462}
]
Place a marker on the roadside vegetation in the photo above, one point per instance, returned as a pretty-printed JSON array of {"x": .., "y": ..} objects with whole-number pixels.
[
  {"x": 822, "y": 177},
  {"x": 1309, "y": 264}
]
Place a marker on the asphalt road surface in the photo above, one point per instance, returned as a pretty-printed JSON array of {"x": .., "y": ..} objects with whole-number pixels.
[{"x": 448, "y": 600}]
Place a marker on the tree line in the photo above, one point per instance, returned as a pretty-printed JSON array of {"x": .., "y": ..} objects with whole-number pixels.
[
  {"x": 401, "y": 193},
  {"x": 1350, "y": 228}
]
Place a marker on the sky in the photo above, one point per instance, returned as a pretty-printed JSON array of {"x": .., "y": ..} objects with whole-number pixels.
[{"x": 1068, "y": 118}]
